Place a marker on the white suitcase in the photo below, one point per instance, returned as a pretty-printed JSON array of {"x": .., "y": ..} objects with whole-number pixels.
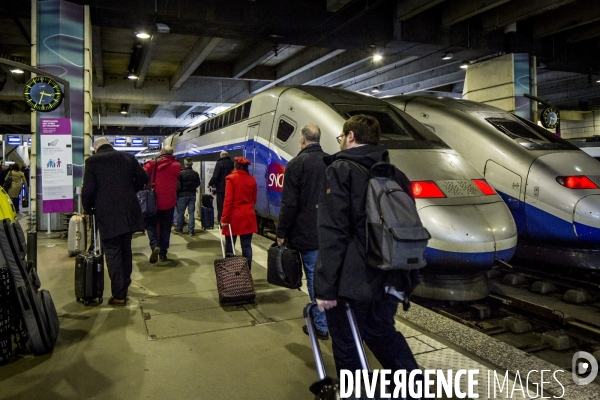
[{"x": 77, "y": 235}]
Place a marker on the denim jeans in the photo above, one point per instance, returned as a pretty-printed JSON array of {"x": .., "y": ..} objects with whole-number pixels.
[
  {"x": 375, "y": 322},
  {"x": 246, "y": 241},
  {"x": 182, "y": 203},
  {"x": 159, "y": 229},
  {"x": 309, "y": 259}
]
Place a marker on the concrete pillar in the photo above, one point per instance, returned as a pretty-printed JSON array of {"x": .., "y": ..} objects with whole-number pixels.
[{"x": 502, "y": 82}]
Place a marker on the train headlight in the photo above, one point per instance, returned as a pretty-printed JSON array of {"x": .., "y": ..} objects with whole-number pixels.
[{"x": 576, "y": 182}]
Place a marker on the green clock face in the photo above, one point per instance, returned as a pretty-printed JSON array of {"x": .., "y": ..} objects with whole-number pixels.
[
  {"x": 43, "y": 94},
  {"x": 550, "y": 118}
]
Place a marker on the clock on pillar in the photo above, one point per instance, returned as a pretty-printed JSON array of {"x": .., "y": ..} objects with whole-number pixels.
[
  {"x": 550, "y": 118},
  {"x": 43, "y": 94}
]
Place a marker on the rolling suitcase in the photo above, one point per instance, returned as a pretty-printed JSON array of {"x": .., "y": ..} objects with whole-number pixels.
[
  {"x": 234, "y": 280},
  {"x": 77, "y": 234},
  {"x": 328, "y": 388},
  {"x": 5, "y": 316},
  {"x": 36, "y": 306},
  {"x": 89, "y": 271},
  {"x": 207, "y": 217},
  {"x": 207, "y": 201}
]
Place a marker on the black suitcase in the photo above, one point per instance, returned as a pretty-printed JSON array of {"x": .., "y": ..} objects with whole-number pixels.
[
  {"x": 234, "y": 280},
  {"x": 207, "y": 201},
  {"x": 5, "y": 316},
  {"x": 327, "y": 388},
  {"x": 89, "y": 271},
  {"x": 207, "y": 217},
  {"x": 36, "y": 306},
  {"x": 284, "y": 267}
]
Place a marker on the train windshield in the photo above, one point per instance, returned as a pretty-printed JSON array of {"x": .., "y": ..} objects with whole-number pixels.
[
  {"x": 530, "y": 135},
  {"x": 396, "y": 132}
]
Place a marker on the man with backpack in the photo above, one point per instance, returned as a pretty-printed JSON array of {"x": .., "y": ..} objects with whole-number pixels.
[
  {"x": 189, "y": 180},
  {"x": 343, "y": 270}
]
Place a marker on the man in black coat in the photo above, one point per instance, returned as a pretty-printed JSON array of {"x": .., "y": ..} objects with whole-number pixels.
[
  {"x": 223, "y": 167},
  {"x": 189, "y": 180},
  {"x": 298, "y": 215},
  {"x": 110, "y": 183},
  {"x": 342, "y": 272}
]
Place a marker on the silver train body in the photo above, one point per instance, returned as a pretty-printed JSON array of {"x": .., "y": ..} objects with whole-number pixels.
[
  {"x": 550, "y": 186},
  {"x": 470, "y": 231}
]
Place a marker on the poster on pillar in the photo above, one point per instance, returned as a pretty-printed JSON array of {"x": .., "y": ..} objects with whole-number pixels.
[
  {"x": 56, "y": 163},
  {"x": 522, "y": 85}
]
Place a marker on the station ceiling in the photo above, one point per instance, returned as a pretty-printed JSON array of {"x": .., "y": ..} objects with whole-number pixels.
[{"x": 206, "y": 55}]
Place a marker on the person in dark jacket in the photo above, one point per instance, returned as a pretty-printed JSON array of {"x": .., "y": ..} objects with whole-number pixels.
[
  {"x": 158, "y": 226},
  {"x": 110, "y": 183},
  {"x": 298, "y": 214},
  {"x": 189, "y": 180},
  {"x": 342, "y": 272},
  {"x": 217, "y": 183}
]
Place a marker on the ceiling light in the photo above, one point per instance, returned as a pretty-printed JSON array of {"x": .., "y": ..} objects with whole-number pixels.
[
  {"x": 142, "y": 35},
  {"x": 598, "y": 81},
  {"x": 464, "y": 65},
  {"x": 375, "y": 89},
  {"x": 448, "y": 56},
  {"x": 17, "y": 71},
  {"x": 377, "y": 57},
  {"x": 123, "y": 109},
  {"x": 132, "y": 75}
]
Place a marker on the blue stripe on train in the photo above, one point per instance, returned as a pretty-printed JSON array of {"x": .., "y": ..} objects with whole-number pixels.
[
  {"x": 540, "y": 225},
  {"x": 437, "y": 259}
]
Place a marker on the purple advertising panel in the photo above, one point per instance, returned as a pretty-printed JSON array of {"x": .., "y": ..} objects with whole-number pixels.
[{"x": 56, "y": 163}]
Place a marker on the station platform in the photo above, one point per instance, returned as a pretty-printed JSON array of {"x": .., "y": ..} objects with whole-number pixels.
[{"x": 174, "y": 341}]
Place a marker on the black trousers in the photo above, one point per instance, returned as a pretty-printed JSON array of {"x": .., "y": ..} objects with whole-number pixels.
[
  {"x": 220, "y": 201},
  {"x": 375, "y": 322},
  {"x": 119, "y": 261}
]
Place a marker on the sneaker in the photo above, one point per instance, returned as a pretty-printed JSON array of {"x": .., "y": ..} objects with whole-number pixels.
[
  {"x": 177, "y": 232},
  {"x": 154, "y": 255},
  {"x": 323, "y": 335},
  {"x": 163, "y": 258},
  {"x": 191, "y": 234}
]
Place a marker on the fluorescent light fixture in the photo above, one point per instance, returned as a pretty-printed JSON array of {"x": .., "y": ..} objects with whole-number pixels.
[
  {"x": 377, "y": 57},
  {"x": 123, "y": 112},
  {"x": 448, "y": 56},
  {"x": 123, "y": 109},
  {"x": 464, "y": 65},
  {"x": 132, "y": 75},
  {"x": 598, "y": 81},
  {"x": 17, "y": 71},
  {"x": 142, "y": 35},
  {"x": 375, "y": 89}
]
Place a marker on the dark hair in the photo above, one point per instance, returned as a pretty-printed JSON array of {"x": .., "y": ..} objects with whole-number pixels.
[
  {"x": 188, "y": 161},
  {"x": 366, "y": 129},
  {"x": 15, "y": 167},
  {"x": 240, "y": 166}
]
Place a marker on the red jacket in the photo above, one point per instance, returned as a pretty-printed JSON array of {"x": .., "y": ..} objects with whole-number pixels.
[
  {"x": 167, "y": 175},
  {"x": 240, "y": 196}
]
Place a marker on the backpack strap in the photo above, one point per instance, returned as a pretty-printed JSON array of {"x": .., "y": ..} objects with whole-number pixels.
[{"x": 362, "y": 168}]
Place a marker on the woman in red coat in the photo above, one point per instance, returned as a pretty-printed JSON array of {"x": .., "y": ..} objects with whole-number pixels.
[{"x": 240, "y": 197}]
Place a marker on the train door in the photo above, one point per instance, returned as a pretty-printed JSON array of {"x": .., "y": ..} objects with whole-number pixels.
[
  {"x": 509, "y": 186},
  {"x": 250, "y": 149}
]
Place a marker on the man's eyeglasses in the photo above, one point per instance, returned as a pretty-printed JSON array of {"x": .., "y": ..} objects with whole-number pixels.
[{"x": 340, "y": 138}]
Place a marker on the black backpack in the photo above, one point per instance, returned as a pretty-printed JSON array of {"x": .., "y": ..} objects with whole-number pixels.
[
  {"x": 396, "y": 238},
  {"x": 7, "y": 181}
]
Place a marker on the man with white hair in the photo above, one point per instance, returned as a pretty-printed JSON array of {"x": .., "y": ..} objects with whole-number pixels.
[
  {"x": 222, "y": 169},
  {"x": 164, "y": 173},
  {"x": 110, "y": 183}
]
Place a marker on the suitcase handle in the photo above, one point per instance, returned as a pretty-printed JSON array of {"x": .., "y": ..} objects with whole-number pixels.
[
  {"x": 312, "y": 333},
  {"x": 96, "y": 236},
  {"x": 221, "y": 240}
]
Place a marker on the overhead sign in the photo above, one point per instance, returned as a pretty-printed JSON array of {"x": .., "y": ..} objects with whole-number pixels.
[
  {"x": 14, "y": 140},
  {"x": 29, "y": 141},
  {"x": 56, "y": 164},
  {"x": 120, "y": 141},
  {"x": 153, "y": 142},
  {"x": 138, "y": 141}
]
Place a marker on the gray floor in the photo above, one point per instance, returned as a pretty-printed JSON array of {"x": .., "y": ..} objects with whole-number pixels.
[{"x": 172, "y": 340}]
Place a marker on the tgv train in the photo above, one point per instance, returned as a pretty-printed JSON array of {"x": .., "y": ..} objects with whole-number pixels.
[
  {"x": 471, "y": 227},
  {"x": 550, "y": 186}
]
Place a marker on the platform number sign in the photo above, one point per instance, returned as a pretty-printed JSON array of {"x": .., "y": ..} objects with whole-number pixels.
[{"x": 43, "y": 94}]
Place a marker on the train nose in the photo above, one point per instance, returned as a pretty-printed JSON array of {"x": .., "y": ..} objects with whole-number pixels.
[
  {"x": 586, "y": 219},
  {"x": 468, "y": 237}
]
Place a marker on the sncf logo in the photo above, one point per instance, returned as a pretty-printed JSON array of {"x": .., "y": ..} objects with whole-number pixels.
[{"x": 275, "y": 177}]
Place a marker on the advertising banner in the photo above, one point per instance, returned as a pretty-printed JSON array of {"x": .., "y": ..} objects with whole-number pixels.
[{"x": 56, "y": 163}]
